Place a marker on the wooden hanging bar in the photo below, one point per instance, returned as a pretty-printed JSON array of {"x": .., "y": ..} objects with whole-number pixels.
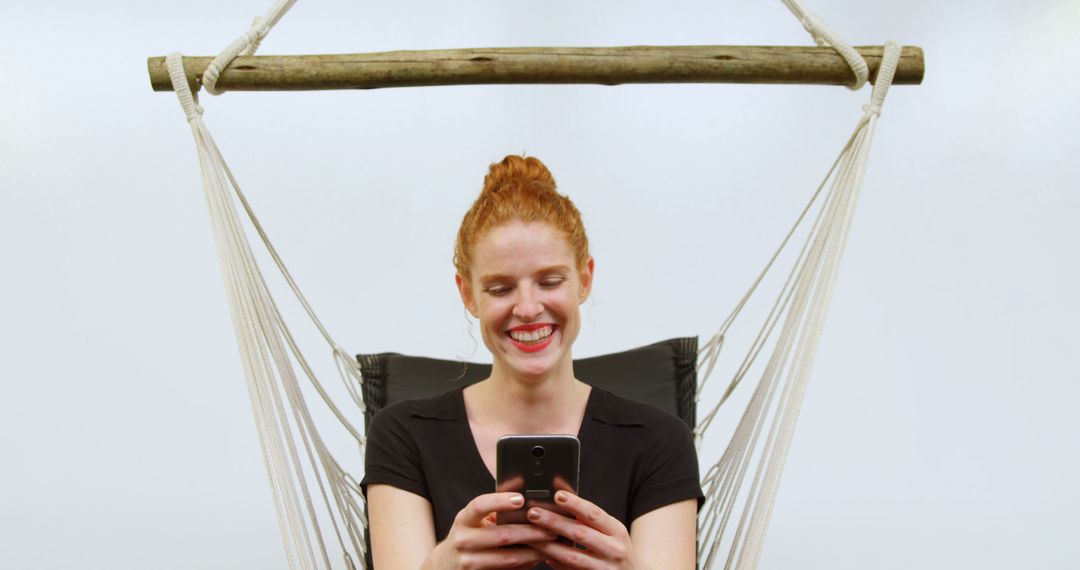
[{"x": 600, "y": 65}]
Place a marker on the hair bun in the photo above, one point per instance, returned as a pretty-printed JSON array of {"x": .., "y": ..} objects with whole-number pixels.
[
  {"x": 520, "y": 171},
  {"x": 519, "y": 188}
]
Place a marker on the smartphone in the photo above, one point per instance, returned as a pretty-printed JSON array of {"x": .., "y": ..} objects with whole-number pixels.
[{"x": 536, "y": 466}]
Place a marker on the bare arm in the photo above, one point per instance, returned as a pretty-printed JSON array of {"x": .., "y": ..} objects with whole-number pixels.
[
  {"x": 666, "y": 537},
  {"x": 402, "y": 528},
  {"x": 403, "y": 533}
]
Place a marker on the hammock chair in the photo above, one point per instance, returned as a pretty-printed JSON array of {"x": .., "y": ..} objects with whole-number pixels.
[{"x": 741, "y": 486}]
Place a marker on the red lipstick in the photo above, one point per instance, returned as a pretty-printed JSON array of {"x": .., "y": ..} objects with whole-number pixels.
[{"x": 532, "y": 346}]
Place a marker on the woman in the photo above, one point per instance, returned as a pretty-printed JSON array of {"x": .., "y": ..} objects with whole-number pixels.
[{"x": 523, "y": 268}]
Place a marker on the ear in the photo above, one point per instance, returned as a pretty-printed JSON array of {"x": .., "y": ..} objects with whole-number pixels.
[
  {"x": 465, "y": 290},
  {"x": 586, "y": 280}
]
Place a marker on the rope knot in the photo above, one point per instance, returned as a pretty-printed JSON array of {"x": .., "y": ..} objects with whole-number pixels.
[
  {"x": 188, "y": 100},
  {"x": 814, "y": 25},
  {"x": 872, "y": 109},
  {"x": 254, "y": 36},
  {"x": 824, "y": 37},
  {"x": 194, "y": 112},
  {"x": 246, "y": 44}
]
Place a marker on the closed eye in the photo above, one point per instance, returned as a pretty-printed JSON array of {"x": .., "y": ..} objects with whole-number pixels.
[
  {"x": 497, "y": 291},
  {"x": 552, "y": 283}
]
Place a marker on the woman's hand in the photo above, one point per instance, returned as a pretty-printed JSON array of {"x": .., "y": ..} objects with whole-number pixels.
[
  {"x": 475, "y": 540},
  {"x": 606, "y": 540}
]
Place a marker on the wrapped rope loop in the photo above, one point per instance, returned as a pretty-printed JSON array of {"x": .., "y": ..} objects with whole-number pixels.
[
  {"x": 246, "y": 44},
  {"x": 823, "y": 36},
  {"x": 188, "y": 101}
]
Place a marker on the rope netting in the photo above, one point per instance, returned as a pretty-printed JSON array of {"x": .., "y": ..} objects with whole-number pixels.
[{"x": 733, "y": 522}]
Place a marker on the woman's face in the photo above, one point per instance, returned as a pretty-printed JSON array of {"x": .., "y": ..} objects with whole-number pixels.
[{"x": 525, "y": 289}]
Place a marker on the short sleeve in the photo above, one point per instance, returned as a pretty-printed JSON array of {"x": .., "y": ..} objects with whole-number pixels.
[
  {"x": 392, "y": 457},
  {"x": 668, "y": 472}
]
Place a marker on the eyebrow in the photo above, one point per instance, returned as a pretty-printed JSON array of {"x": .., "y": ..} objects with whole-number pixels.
[{"x": 496, "y": 277}]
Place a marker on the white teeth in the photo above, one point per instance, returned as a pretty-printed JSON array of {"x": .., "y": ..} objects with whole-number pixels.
[{"x": 531, "y": 336}]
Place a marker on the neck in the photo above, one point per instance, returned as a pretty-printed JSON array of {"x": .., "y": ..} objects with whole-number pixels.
[{"x": 552, "y": 404}]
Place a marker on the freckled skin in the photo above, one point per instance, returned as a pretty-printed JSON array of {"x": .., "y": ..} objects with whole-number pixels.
[{"x": 525, "y": 274}]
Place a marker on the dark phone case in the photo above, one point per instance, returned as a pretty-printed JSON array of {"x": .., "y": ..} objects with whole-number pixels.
[{"x": 537, "y": 476}]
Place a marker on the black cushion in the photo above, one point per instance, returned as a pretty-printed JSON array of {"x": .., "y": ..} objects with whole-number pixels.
[{"x": 663, "y": 374}]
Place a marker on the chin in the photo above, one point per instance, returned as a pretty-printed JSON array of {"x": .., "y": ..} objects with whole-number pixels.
[
  {"x": 532, "y": 372},
  {"x": 535, "y": 367}
]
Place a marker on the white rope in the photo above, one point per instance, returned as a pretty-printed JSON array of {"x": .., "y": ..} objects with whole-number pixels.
[
  {"x": 246, "y": 44},
  {"x": 801, "y": 306},
  {"x": 823, "y": 36},
  {"x": 710, "y": 351},
  {"x": 268, "y": 352}
]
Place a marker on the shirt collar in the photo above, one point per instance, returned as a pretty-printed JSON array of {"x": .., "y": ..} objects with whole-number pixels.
[
  {"x": 447, "y": 407},
  {"x": 602, "y": 407}
]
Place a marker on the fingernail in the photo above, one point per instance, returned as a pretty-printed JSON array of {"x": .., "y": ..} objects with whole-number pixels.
[
  {"x": 561, "y": 497},
  {"x": 517, "y": 500},
  {"x": 534, "y": 514}
]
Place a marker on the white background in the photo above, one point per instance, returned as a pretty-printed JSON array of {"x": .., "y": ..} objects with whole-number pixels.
[{"x": 939, "y": 428}]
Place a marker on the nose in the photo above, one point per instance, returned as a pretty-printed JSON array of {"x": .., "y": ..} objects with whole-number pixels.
[{"x": 527, "y": 305}]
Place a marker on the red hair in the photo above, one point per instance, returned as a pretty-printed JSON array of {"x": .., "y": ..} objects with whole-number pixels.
[{"x": 522, "y": 189}]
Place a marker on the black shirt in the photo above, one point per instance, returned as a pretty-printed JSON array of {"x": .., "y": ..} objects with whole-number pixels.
[{"x": 634, "y": 457}]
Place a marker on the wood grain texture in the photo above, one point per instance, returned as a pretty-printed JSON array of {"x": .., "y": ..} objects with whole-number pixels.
[{"x": 600, "y": 65}]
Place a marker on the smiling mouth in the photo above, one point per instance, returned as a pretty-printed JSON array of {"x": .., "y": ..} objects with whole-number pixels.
[{"x": 532, "y": 337}]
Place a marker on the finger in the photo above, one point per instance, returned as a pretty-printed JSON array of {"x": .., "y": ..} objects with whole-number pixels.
[
  {"x": 500, "y": 535},
  {"x": 573, "y": 530},
  {"x": 560, "y": 556},
  {"x": 516, "y": 557},
  {"x": 590, "y": 514},
  {"x": 473, "y": 514},
  {"x": 608, "y": 547},
  {"x": 560, "y": 484},
  {"x": 515, "y": 483},
  {"x": 556, "y": 565}
]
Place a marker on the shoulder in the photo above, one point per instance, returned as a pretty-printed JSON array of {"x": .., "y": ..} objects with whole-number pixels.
[
  {"x": 662, "y": 438},
  {"x": 400, "y": 418},
  {"x": 444, "y": 406},
  {"x": 398, "y": 444},
  {"x": 402, "y": 434},
  {"x": 612, "y": 408},
  {"x": 663, "y": 459}
]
